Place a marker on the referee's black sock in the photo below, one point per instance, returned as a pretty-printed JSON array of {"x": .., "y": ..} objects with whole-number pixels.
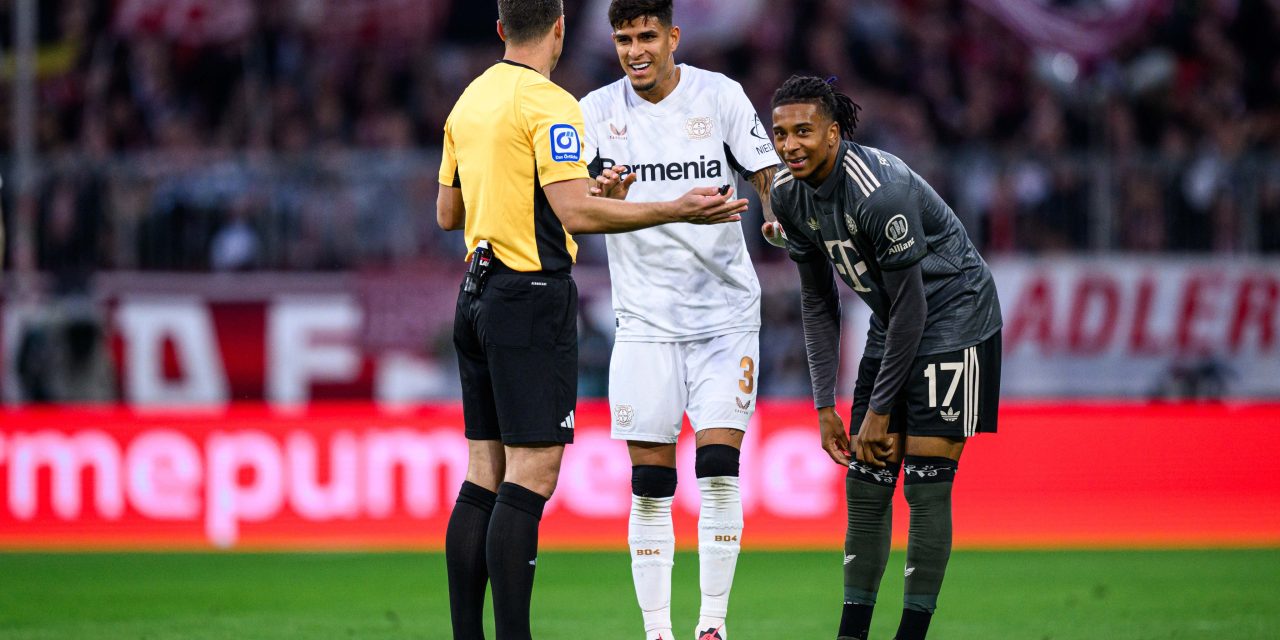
[
  {"x": 512, "y": 551},
  {"x": 464, "y": 543},
  {"x": 927, "y": 486}
]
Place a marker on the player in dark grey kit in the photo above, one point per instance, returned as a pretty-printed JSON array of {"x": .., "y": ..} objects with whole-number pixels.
[{"x": 930, "y": 375}]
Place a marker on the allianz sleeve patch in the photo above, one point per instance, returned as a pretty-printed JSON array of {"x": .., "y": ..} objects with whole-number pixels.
[{"x": 565, "y": 146}]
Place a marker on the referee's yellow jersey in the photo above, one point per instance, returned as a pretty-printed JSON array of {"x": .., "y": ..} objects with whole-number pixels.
[{"x": 510, "y": 133}]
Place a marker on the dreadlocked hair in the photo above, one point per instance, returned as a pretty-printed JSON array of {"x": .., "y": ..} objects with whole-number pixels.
[{"x": 814, "y": 90}]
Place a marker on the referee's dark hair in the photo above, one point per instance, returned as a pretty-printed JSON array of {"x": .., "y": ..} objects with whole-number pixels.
[
  {"x": 814, "y": 90},
  {"x": 525, "y": 21},
  {"x": 624, "y": 11}
]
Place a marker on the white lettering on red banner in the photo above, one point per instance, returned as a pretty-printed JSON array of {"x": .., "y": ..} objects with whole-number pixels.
[{"x": 351, "y": 475}]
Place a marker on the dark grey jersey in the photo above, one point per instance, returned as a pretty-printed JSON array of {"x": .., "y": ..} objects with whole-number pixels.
[{"x": 874, "y": 214}]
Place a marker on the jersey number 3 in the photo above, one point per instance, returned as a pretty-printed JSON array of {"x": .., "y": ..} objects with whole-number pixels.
[{"x": 748, "y": 381}]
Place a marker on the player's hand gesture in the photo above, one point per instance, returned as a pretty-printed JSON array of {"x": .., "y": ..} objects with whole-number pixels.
[
  {"x": 835, "y": 440},
  {"x": 873, "y": 444},
  {"x": 614, "y": 182},
  {"x": 709, "y": 205}
]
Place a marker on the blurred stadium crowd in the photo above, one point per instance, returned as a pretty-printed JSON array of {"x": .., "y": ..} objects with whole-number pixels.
[
  {"x": 302, "y": 135},
  {"x": 268, "y": 137}
]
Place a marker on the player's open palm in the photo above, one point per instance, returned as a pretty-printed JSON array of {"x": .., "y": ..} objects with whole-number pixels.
[
  {"x": 614, "y": 182},
  {"x": 835, "y": 439},
  {"x": 709, "y": 205}
]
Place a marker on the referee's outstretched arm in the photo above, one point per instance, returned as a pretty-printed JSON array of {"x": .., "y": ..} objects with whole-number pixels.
[{"x": 581, "y": 212}]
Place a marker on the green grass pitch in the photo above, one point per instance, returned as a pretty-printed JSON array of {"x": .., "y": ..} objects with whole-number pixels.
[{"x": 1036, "y": 595}]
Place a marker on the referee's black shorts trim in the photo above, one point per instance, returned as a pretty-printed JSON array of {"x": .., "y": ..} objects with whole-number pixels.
[
  {"x": 517, "y": 345},
  {"x": 954, "y": 394}
]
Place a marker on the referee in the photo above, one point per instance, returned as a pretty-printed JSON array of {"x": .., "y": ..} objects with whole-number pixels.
[{"x": 513, "y": 178}]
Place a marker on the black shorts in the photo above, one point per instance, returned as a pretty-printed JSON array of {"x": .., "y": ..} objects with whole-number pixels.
[
  {"x": 517, "y": 344},
  {"x": 954, "y": 394}
]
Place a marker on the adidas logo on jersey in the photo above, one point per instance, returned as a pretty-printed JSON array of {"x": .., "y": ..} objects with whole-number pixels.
[
  {"x": 848, "y": 559},
  {"x": 567, "y": 423},
  {"x": 691, "y": 170},
  {"x": 949, "y": 415}
]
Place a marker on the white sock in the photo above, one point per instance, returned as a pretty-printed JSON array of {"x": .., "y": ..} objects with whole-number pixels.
[
  {"x": 652, "y": 539},
  {"x": 719, "y": 530}
]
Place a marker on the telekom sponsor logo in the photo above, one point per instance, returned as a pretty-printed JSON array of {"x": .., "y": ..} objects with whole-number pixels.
[{"x": 224, "y": 478}]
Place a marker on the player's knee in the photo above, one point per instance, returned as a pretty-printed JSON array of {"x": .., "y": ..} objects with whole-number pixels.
[
  {"x": 927, "y": 479},
  {"x": 716, "y": 460},
  {"x": 865, "y": 473},
  {"x": 652, "y": 481}
]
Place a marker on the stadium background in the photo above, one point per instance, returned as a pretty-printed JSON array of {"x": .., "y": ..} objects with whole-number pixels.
[{"x": 225, "y": 305}]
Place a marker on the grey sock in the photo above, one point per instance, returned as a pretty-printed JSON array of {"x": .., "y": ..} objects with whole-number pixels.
[
  {"x": 869, "y": 493},
  {"x": 927, "y": 486}
]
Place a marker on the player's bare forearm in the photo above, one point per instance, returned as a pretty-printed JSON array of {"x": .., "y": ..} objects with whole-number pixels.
[
  {"x": 762, "y": 180},
  {"x": 581, "y": 212}
]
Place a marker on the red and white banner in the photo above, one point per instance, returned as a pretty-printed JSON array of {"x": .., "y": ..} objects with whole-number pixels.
[
  {"x": 1076, "y": 328},
  {"x": 1140, "y": 328},
  {"x": 352, "y": 476},
  {"x": 1128, "y": 328}
]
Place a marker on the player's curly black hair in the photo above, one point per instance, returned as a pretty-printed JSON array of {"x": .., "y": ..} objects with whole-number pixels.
[
  {"x": 624, "y": 11},
  {"x": 814, "y": 90}
]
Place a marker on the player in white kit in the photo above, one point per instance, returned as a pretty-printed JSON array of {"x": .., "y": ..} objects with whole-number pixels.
[{"x": 686, "y": 299}]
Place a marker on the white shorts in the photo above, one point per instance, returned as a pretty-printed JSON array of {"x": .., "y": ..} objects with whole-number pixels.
[{"x": 653, "y": 384}]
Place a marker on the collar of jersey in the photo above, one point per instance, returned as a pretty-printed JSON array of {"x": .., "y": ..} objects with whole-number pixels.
[
  {"x": 668, "y": 103},
  {"x": 828, "y": 186},
  {"x": 517, "y": 64}
]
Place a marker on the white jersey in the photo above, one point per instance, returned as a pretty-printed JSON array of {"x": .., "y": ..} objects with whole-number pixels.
[{"x": 679, "y": 281}]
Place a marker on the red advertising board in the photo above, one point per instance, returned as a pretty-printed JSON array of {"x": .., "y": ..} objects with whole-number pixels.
[{"x": 355, "y": 476}]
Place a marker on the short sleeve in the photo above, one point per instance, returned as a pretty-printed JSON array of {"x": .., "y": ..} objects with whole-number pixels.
[
  {"x": 449, "y": 161},
  {"x": 799, "y": 247},
  {"x": 891, "y": 218},
  {"x": 745, "y": 137},
  {"x": 555, "y": 128},
  {"x": 590, "y": 139}
]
